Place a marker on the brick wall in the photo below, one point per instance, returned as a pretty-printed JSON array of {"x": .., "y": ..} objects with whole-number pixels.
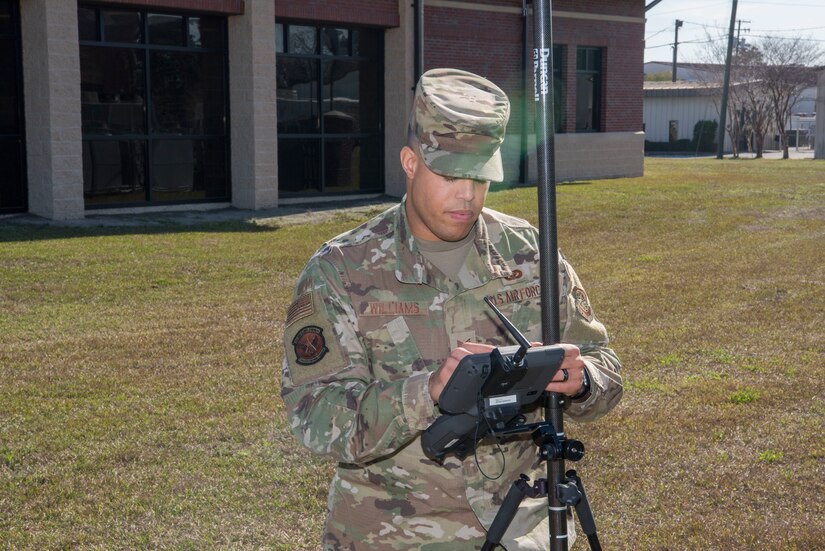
[
  {"x": 379, "y": 13},
  {"x": 623, "y": 8},
  {"x": 622, "y": 64},
  {"x": 483, "y": 42}
]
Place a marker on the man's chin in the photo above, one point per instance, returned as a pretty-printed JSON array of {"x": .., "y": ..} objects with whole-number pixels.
[{"x": 454, "y": 235}]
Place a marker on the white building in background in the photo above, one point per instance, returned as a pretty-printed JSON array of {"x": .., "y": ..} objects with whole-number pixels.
[
  {"x": 672, "y": 109},
  {"x": 806, "y": 102}
]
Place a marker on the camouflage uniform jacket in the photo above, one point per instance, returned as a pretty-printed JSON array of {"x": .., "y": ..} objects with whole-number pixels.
[{"x": 371, "y": 318}]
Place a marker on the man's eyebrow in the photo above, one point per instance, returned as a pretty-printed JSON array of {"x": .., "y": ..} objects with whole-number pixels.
[{"x": 454, "y": 178}]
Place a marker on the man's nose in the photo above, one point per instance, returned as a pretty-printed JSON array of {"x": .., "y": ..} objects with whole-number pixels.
[{"x": 465, "y": 189}]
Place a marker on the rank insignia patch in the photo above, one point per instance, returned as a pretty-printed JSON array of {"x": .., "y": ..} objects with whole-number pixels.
[
  {"x": 582, "y": 303},
  {"x": 310, "y": 345}
]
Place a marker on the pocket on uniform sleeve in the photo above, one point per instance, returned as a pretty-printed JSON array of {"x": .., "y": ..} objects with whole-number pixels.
[{"x": 393, "y": 351}]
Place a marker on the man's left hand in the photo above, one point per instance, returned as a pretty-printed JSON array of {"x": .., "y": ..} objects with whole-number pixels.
[{"x": 569, "y": 378}]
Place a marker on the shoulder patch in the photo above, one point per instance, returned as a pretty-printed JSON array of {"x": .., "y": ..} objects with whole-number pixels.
[
  {"x": 582, "y": 303},
  {"x": 309, "y": 345}
]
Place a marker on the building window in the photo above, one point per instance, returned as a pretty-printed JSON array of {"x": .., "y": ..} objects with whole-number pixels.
[
  {"x": 588, "y": 89},
  {"x": 559, "y": 111},
  {"x": 154, "y": 107},
  {"x": 12, "y": 152},
  {"x": 673, "y": 131},
  {"x": 330, "y": 110}
]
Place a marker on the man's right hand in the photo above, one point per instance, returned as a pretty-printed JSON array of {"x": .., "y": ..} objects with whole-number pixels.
[{"x": 440, "y": 377}]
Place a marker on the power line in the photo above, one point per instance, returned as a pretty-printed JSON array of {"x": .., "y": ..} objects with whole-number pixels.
[
  {"x": 787, "y": 30},
  {"x": 801, "y": 29},
  {"x": 658, "y": 32},
  {"x": 786, "y": 38},
  {"x": 717, "y": 39},
  {"x": 670, "y": 44},
  {"x": 794, "y": 4}
]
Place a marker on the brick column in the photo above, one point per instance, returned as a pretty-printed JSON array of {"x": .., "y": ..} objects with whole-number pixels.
[
  {"x": 253, "y": 107},
  {"x": 51, "y": 75},
  {"x": 398, "y": 94}
]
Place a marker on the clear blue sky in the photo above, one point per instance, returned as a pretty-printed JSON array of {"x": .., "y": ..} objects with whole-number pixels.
[{"x": 805, "y": 18}]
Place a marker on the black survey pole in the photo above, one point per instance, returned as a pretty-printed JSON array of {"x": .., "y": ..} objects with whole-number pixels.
[
  {"x": 418, "y": 39},
  {"x": 723, "y": 109},
  {"x": 548, "y": 244}
]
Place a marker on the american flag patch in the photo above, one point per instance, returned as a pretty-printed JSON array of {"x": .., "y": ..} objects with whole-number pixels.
[{"x": 301, "y": 308}]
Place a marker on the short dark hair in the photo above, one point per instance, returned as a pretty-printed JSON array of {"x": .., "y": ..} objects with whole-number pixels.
[{"x": 412, "y": 140}]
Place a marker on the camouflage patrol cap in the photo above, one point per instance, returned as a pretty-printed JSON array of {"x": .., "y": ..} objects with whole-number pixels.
[{"x": 459, "y": 120}]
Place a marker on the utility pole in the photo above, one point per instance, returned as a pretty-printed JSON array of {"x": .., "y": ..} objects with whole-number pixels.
[
  {"x": 679, "y": 23},
  {"x": 723, "y": 111},
  {"x": 738, "y": 34}
]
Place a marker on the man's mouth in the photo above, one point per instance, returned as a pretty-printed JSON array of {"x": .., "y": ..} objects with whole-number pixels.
[{"x": 461, "y": 215}]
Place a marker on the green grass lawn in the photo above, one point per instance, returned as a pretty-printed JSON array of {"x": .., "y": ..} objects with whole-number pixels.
[{"x": 139, "y": 370}]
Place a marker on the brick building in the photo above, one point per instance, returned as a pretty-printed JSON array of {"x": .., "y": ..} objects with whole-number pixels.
[{"x": 155, "y": 104}]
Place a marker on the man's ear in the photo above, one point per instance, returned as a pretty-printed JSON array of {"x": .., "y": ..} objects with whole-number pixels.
[{"x": 409, "y": 161}]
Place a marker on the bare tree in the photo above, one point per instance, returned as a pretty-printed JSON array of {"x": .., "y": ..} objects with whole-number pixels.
[
  {"x": 714, "y": 58},
  {"x": 757, "y": 112},
  {"x": 787, "y": 68}
]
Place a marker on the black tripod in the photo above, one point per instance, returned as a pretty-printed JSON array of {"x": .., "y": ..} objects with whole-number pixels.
[{"x": 570, "y": 491}]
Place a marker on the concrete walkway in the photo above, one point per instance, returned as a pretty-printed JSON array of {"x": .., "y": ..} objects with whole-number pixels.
[
  {"x": 281, "y": 216},
  {"x": 777, "y": 154},
  {"x": 767, "y": 154}
]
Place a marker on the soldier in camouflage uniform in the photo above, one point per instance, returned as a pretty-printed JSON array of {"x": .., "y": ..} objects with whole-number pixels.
[{"x": 383, "y": 314}]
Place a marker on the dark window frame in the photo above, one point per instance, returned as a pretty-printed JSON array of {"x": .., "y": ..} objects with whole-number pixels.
[
  {"x": 323, "y": 137},
  {"x": 15, "y": 37},
  {"x": 593, "y": 70},
  {"x": 559, "y": 72},
  {"x": 151, "y": 135}
]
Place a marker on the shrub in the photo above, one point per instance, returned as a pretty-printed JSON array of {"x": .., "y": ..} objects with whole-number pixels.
[{"x": 704, "y": 136}]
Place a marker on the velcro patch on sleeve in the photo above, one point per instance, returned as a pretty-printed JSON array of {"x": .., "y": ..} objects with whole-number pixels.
[
  {"x": 311, "y": 347},
  {"x": 582, "y": 303},
  {"x": 301, "y": 308}
]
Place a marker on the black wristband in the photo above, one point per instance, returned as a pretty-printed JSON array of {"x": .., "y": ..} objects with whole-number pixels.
[{"x": 584, "y": 393}]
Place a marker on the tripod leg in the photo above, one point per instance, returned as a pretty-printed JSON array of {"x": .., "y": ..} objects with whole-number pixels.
[
  {"x": 584, "y": 513},
  {"x": 507, "y": 512}
]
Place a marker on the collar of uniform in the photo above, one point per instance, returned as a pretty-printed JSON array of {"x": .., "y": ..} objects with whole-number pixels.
[{"x": 412, "y": 268}]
